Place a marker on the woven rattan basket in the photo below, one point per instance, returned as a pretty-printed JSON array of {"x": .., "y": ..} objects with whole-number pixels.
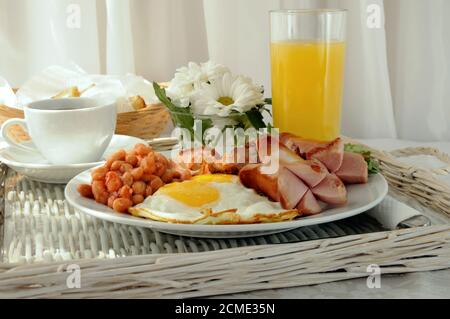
[
  {"x": 146, "y": 123},
  {"x": 420, "y": 183}
]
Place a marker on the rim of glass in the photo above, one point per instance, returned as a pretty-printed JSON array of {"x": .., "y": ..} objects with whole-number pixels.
[{"x": 308, "y": 11}]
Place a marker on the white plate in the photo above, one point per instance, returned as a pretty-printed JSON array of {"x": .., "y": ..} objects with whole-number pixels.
[
  {"x": 37, "y": 168},
  {"x": 361, "y": 198}
]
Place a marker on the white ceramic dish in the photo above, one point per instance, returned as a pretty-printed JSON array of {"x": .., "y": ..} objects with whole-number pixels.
[
  {"x": 34, "y": 166},
  {"x": 361, "y": 198},
  {"x": 50, "y": 122}
]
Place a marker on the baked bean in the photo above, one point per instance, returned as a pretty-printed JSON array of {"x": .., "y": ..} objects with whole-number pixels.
[
  {"x": 147, "y": 177},
  {"x": 137, "y": 173},
  {"x": 148, "y": 164},
  {"x": 161, "y": 158},
  {"x": 132, "y": 160},
  {"x": 98, "y": 187},
  {"x": 99, "y": 173},
  {"x": 121, "y": 205},
  {"x": 160, "y": 169},
  {"x": 185, "y": 174},
  {"x": 85, "y": 190},
  {"x": 142, "y": 149},
  {"x": 125, "y": 192},
  {"x": 113, "y": 182},
  {"x": 127, "y": 179},
  {"x": 148, "y": 191},
  {"x": 100, "y": 193},
  {"x": 126, "y": 168},
  {"x": 139, "y": 187},
  {"x": 153, "y": 177},
  {"x": 111, "y": 199},
  {"x": 132, "y": 152},
  {"x": 167, "y": 177},
  {"x": 102, "y": 198},
  {"x": 156, "y": 184},
  {"x": 116, "y": 165},
  {"x": 176, "y": 174},
  {"x": 109, "y": 163},
  {"x": 118, "y": 156},
  {"x": 137, "y": 199}
]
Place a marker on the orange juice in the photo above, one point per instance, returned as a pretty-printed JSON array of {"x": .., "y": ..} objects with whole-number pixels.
[{"x": 307, "y": 83}]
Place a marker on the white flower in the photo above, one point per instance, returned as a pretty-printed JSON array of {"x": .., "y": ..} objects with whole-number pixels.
[
  {"x": 179, "y": 95},
  {"x": 188, "y": 78},
  {"x": 212, "y": 71},
  {"x": 226, "y": 94}
]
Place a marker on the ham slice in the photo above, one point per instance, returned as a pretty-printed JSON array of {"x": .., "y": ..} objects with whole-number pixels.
[
  {"x": 308, "y": 205},
  {"x": 310, "y": 172},
  {"x": 251, "y": 177},
  {"x": 354, "y": 169},
  {"x": 291, "y": 189},
  {"x": 331, "y": 191},
  {"x": 303, "y": 176},
  {"x": 300, "y": 145},
  {"x": 331, "y": 154},
  {"x": 283, "y": 187}
]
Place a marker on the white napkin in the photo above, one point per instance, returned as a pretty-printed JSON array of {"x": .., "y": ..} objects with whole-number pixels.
[
  {"x": 55, "y": 79},
  {"x": 7, "y": 96},
  {"x": 391, "y": 213}
]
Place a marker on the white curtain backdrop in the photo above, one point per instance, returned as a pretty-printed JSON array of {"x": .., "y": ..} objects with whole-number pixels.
[{"x": 397, "y": 76}]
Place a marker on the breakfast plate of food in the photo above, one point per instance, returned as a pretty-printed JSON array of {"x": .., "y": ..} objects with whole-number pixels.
[{"x": 314, "y": 183}]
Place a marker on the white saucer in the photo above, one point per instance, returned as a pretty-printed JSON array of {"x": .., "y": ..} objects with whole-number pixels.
[{"x": 37, "y": 168}]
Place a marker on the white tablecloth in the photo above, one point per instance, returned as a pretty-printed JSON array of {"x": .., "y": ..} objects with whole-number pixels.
[{"x": 416, "y": 285}]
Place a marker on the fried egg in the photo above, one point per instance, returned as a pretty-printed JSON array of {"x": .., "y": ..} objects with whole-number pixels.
[{"x": 211, "y": 199}]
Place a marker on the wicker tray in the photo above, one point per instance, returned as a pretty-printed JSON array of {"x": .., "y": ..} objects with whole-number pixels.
[
  {"x": 157, "y": 265},
  {"x": 419, "y": 183},
  {"x": 41, "y": 227}
]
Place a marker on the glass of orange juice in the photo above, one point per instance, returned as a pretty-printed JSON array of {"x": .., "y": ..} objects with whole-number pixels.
[{"x": 308, "y": 57}]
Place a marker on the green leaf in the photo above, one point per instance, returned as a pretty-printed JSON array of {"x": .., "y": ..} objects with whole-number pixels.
[
  {"x": 181, "y": 116},
  {"x": 372, "y": 163},
  {"x": 206, "y": 125},
  {"x": 255, "y": 118},
  {"x": 161, "y": 95}
]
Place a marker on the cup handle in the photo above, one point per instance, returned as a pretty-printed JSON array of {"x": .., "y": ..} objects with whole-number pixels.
[{"x": 11, "y": 142}]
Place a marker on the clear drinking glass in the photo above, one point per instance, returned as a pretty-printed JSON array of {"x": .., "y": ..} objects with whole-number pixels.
[{"x": 308, "y": 57}]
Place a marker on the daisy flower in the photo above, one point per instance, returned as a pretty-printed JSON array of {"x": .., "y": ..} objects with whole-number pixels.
[
  {"x": 225, "y": 95},
  {"x": 188, "y": 78}
]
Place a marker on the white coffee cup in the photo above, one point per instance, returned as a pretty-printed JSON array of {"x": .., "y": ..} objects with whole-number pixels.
[{"x": 67, "y": 131}]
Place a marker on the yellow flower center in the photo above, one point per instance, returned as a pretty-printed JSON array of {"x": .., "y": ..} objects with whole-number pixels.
[{"x": 225, "y": 100}]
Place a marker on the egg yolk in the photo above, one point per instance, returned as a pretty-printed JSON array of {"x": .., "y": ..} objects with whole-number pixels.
[
  {"x": 216, "y": 178},
  {"x": 191, "y": 193}
]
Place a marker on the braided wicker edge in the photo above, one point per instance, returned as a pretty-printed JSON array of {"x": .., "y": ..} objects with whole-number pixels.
[
  {"x": 235, "y": 270},
  {"x": 416, "y": 182}
]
